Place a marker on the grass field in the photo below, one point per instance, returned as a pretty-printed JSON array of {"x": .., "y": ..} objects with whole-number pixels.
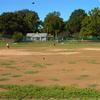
[{"x": 68, "y": 70}]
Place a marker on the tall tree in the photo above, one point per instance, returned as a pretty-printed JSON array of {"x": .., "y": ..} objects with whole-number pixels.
[
  {"x": 91, "y": 24},
  {"x": 8, "y": 23},
  {"x": 53, "y": 23},
  {"x": 86, "y": 29},
  {"x": 28, "y": 21},
  {"x": 20, "y": 21},
  {"x": 73, "y": 25}
]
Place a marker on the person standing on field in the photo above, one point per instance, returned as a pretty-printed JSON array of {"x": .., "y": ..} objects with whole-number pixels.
[{"x": 7, "y": 45}]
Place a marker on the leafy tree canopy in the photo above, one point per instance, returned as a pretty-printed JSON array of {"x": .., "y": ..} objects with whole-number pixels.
[
  {"x": 21, "y": 21},
  {"x": 53, "y": 23},
  {"x": 74, "y": 23}
]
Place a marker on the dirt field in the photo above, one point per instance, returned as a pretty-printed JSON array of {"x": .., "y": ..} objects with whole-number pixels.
[{"x": 50, "y": 66}]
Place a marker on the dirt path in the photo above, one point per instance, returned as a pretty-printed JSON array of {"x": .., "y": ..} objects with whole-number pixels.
[
  {"x": 21, "y": 52},
  {"x": 92, "y": 49}
]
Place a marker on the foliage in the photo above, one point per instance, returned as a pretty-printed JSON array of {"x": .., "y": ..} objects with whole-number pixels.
[
  {"x": 91, "y": 24},
  {"x": 22, "y": 21},
  {"x": 79, "y": 25},
  {"x": 17, "y": 36},
  {"x": 28, "y": 21},
  {"x": 53, "y": 24},
  {"x": 73, "y": 25},
  {"x": 86, "y": 29}
]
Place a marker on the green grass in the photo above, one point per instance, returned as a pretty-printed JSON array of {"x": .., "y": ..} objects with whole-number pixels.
[
  {"x": 31, "y": 72},
  {"x": 11, "y": 64},
  {"x": 67, "y": 44},
  {"x": 39, "y": 65},
  {"x": 46, "y": 93},
  {"x": 92, "y": 85},
  {"x": 17, "y": 75},
  {"x": 67, "y": 70},
  {"x": 5, "y": 64},
  {"x": 6, "y": 74},
  {"x": 54, "y": 79},
  {"x": 82, "y": 77},
  {"x": 72, "y": 62},
  {"x": 48, "y": 64},
  {"x": 93, "y": 61},
  {"x": 4, "y": 79}
]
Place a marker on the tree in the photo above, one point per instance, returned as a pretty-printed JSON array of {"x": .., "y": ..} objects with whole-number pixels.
[
  {"x": 8, "y": 23},
  {"x": 91, "y": 24},
  {"x": 73, "y": 25},
  {"x": 28, "y": 21},
  {"x": 17, "y": 36},
  {"x": 53, "y": 24},
  {"x": 24, "y": 21},
  {"x": 86, "y": 29},
  {"x": 95, "y": 21}
]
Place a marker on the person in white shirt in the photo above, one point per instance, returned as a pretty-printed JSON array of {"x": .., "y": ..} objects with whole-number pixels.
[{"x": 7, "y": 45}]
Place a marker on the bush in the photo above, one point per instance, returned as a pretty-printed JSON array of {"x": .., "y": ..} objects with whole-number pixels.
[{"x": 17, "y": 36}]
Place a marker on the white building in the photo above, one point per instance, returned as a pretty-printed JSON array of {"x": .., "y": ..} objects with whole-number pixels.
[{"x": 36, "y": 37}]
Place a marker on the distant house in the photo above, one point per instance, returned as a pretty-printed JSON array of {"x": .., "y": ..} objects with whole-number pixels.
[{"x": 36, "y": 37}]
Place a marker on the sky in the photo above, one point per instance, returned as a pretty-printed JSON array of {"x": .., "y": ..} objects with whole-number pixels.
[{"x": 43, "y": 7}]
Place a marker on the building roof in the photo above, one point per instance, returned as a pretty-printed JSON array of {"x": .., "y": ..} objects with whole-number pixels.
[{"x": 36, "y": 35}]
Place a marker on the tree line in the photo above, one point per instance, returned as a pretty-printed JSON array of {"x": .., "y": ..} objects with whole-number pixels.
[{"x": 79, "y": 25}]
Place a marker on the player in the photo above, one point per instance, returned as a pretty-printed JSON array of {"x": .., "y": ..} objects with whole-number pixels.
[{"x": 7, "y": 45}]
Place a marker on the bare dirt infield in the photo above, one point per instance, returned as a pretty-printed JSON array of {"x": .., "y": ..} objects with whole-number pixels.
[
  {"x": 13, "y": 52},
  {"x": 50, "y": 67}
]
